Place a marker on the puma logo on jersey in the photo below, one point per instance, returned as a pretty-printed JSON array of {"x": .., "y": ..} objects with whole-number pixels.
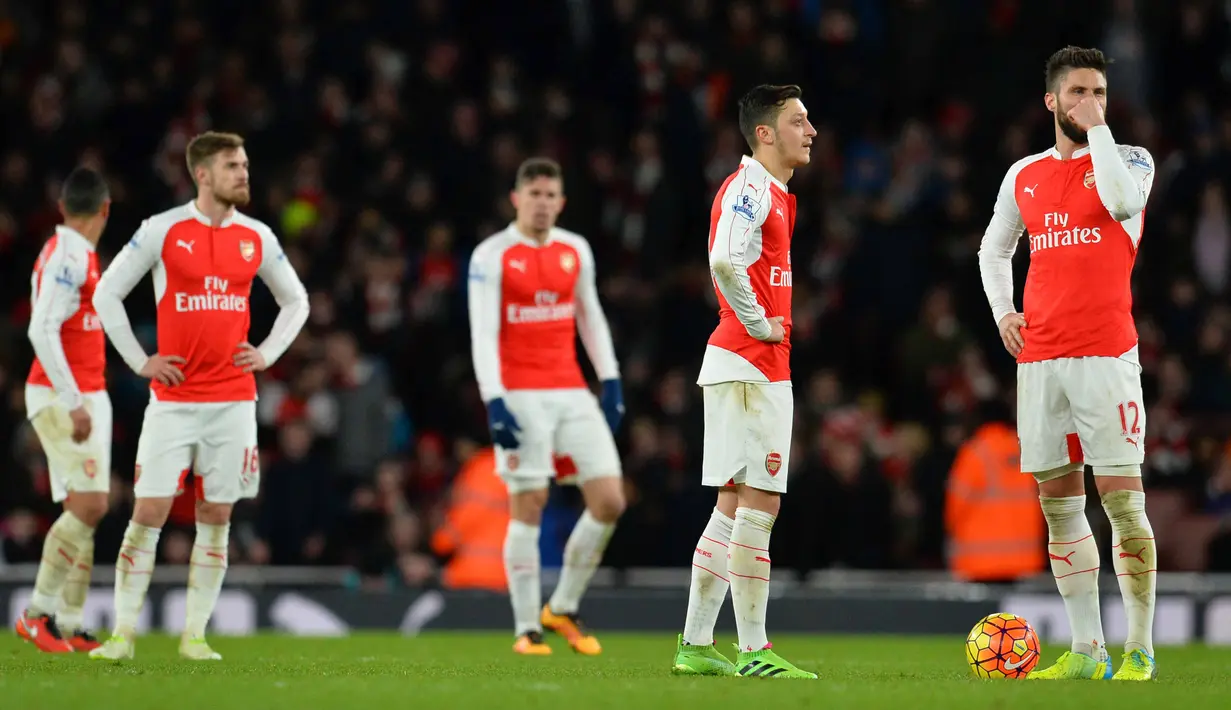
[
  {"x": 187, "y": 246},
  {"x": 1030, "y": 189}
]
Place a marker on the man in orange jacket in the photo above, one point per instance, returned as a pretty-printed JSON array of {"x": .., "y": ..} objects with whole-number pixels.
[
  {"x": 472, "y": 535},
  {"x": 995, "y": 529}
]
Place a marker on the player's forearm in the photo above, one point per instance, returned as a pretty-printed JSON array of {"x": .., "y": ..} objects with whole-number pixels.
[
  {"x": 996, "y": 267},
  {"x": 291, "y": 318},
  {"x": 596, "y": 338},
  {"x": 485, "y": 340},
  {"x": 733, "y": 282},
  {"x": 119, "y": 330},
  {"x": 1117, "y": 188},
  {"x": 49, "y": 349}
]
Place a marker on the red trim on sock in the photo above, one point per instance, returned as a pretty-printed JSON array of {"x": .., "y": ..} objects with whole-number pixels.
[
  {"x": 1130, "y": 540},
  {"x": 746, "y": 576},
  {"x": 1134, "y": 574},
  {"x": 723, "y": 544},
  {"x": 1070, "y": 574},
  {"x": 746, "y": 547},
  {"x": 719, "y": 576},
  {"x": 1074, "y": 542}
]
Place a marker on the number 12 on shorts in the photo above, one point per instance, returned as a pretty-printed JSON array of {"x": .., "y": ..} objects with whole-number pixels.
[{"x": 1130, "y": 411}]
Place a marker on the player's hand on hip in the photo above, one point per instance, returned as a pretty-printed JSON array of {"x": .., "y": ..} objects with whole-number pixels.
[
  {"x": 249, "y": 359},
  {"x": 613, "y": 403},
  {"x": 81, "y": 424},
  {"x": 777, "y": 333},
  {"x": 165, "y": 369},
  {"x": 503, "y": 424},
  {"x": 1011, "y": 333},
  {"x": 1087, "y": 114}
]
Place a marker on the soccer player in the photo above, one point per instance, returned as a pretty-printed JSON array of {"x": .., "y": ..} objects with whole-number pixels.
[
  {"x": 67, "y": 403},
  {"x": 746, "y": 380},
  {"x": 204, "y": 256},
  {"x": 531, "y": 291},
  {"x": 1082, "y": 203}
]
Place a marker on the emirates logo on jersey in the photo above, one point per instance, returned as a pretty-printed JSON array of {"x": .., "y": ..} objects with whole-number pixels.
[
  {"x": 773, "y": 463},
  {"x": 247, "y": 249},
  {"x": 1088, "y": 181}
]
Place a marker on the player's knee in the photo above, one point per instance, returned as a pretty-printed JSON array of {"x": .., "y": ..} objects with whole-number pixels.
[
  {"x": 89, "y": 508},
  {"x": 213, "y": 513},
  {"x": 527, "y": 506},
  {"x": 1063, "y": 481},
  {"x": 609, "y": 508},
  {"x": 152, "y": 512},
  {"x": 1118, "y": 478},
  {"x": 764, "y": 501}
]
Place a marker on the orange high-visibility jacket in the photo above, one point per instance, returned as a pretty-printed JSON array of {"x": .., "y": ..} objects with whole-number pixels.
[
  {"x": 474, "y": 527},
  {"x": 993, "y": 521}
]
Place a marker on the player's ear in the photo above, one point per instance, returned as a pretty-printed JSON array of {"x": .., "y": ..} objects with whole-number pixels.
[
  {"x": 105, "y": 210},
  {"x": 514, "y": 198},
  {"x": 765, "y": 134},
  {"x": 60, "y": 204},
  {"x": 1049, "y": 100}
]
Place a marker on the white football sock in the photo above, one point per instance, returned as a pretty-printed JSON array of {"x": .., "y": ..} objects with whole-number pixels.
[
  {"x": 207, "y": 568},
  {"x": 133, "y": 569},
  {"x": 70, "y": 618},
  {"x": 521, "y": 566},
  {"x": 582, "y": 553},
  {"x": 709, "y": 580},
  {"x": 1075, "y": 565},
  {"x": 1136, "y": 564},
  {"x": 64, "y": 543},
  {"x": 748, "y": 566}
]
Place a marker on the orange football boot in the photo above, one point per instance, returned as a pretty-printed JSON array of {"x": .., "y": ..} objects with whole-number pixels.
[
  {"x": 531, "y": 644},
  {"x": 42, "y": 632},
  {"x": 83, "y": 641},
  {"x": 570, "y": 627}
]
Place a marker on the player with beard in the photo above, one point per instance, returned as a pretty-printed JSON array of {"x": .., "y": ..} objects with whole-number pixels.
[
  {"x": 1082, "y": 205},
  {"x": 204, "y": 257}
]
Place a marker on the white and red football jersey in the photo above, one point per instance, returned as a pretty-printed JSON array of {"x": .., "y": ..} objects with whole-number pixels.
[
  {"x": 751, "y": 223},
  {"x": 528, "y": 302},
  {"x": 203, "y": 278},
  {"x": 70, "y": 350},
  {"x": 1083, "y": 218}
]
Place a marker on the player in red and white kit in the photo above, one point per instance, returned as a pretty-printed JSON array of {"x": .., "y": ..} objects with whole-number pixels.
[
  {"x": 204, "y": 257},
  {"x": 68, "y": 407},
  {"x": 1082, "y": 204},
  {"x": 746, "y": 379},
  {"x": 531, "y": 292}
]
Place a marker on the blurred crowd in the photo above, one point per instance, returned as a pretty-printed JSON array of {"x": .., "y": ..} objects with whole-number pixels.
[{"x": 384, "y": 135}]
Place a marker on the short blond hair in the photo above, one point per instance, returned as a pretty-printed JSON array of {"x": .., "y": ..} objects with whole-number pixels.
[{"x": 205, "y": 146}]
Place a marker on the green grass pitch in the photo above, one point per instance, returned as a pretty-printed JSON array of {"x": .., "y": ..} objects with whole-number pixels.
[{"x": 458, "y": 670}]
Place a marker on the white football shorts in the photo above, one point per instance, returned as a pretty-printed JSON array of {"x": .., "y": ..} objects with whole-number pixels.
[
  {"x": 214, "y": 440},
  {"x": 1087, "y": 409},
  {"x": 560, "y": 422},
  {"x": 748, "y": 435},
  {"x": 72, "y": 467}
]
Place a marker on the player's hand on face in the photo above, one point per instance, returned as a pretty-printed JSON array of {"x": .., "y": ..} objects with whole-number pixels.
[
  {"x": 1011, "y": 333},
  {"x": 776, "y": 332},
  {"x": 1087, "y": 114},
  {"x": 249, "y": 359},
  {"x": 165, "y": 369},
  {"x": 81, "y": 424}
]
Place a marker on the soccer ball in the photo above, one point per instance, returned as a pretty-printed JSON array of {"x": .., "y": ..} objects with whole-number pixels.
[{"x": 1002, "y": 646}]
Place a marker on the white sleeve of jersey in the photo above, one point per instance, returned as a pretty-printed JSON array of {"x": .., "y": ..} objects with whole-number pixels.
[
  {"x": 743, "y": 212},
  {"x": 121, "y": 277},
  {"x": 1123, "y": 175},
  {"x": 292, "y": 298},
  {"x": 483, "y": 296},
  {"x": 591, "y": 320},
  {"x": 997, "y": 248},
  {"x": 56, "y": 299}
]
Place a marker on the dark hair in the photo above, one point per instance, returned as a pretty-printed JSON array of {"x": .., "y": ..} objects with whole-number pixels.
[
  {"x": 205, "y": 146},
  {"x": 1069, "y": 58},
  {"x": 761, "y": 106},
  {"x": 536, "y": 168},
  {"x": 84, "y": 191}
]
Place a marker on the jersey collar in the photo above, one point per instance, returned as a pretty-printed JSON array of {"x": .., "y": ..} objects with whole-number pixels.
[
  {"x": 522, "y": 237},
  {"x": 756, "y": 168},
  {"x": 199, "y": 216},
  {"x": 1079, "y": 153},
  {"x": 64, "y": 231}
]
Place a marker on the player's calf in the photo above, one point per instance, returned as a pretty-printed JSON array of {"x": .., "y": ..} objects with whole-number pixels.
[
  {"x": 1135, "y": 556},
  {"x": 207, "y": 569}
]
